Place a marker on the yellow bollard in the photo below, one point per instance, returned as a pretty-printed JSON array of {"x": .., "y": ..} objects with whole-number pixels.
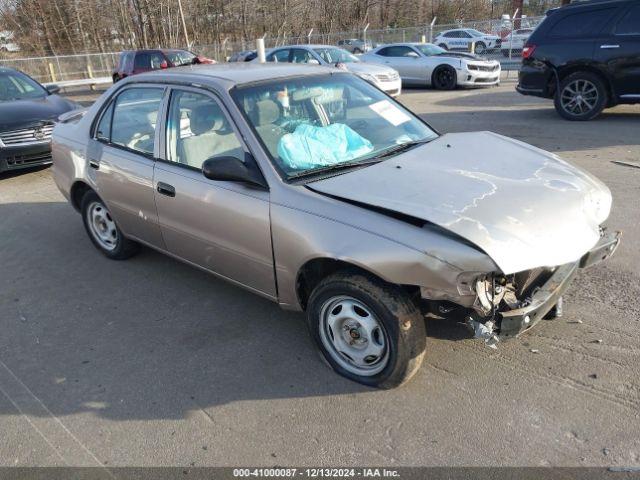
[{"x": 52, "y": 72}]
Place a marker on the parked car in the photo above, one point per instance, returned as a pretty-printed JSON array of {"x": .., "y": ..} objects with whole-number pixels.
[
  {"x": 430, "y": 65},
  {"x": 586, "y": 56},
  {"x": 514, "y": 41},
  {"x": 132, "y": 62},
  {"x": 355, "y": 45},
  {"x": 462, "y": 38},
  {"x": 243, "y": 56},
  {"x": 28, "y": 112},
  {"x": 383, "y": 77},
  {"x": 314, "y": 189}
]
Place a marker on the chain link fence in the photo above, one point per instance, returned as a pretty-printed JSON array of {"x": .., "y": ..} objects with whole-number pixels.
[{"x": 64, "y": 68}]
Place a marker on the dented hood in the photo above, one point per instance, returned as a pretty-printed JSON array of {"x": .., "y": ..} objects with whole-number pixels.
[{"x": 523, "y": 206}]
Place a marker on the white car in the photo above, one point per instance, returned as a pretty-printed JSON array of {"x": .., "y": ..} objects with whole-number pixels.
[
  {"x": 462, "y": 38},
  {"x": 515, "y": 41},
  {"x": 429, "y": 65},
  {"x": 385, "y": 78}
]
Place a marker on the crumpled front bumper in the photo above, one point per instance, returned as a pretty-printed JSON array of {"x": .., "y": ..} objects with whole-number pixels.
[{"x": 514, "y": 322}]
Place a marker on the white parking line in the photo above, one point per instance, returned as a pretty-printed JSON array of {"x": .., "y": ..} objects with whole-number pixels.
[{"x": 66, "y": 445}]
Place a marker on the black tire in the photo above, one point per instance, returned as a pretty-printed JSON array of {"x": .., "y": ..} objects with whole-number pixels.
[
  {"x": 402, "y": 327},
  {"x": 357, "y": 50},
  {"x": 595, "y": 97},
  {"x": 122, "y": 247},
  {"x": 444, "y": 77},
  {"x": 505, "y": 53},
  {"x": 115, "y": 79},
  {"x": 480, "y": 48},
  {"x": 443, "y": 46}
]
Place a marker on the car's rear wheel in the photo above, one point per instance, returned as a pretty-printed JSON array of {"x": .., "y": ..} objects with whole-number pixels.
[
  {"x": 368, "y": 331},
  {"x": 581, "y": 96},
  {"x": 103, "y": 231},
  {"x": 444, "y": 78},
  {"x": 115, "y": 79}
]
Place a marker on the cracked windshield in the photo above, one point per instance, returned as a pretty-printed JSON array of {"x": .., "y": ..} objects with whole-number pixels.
[{"x": 318, "y": 123}]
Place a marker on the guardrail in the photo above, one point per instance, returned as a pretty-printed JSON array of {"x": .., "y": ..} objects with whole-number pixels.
[{"x": 83, "y": 82}]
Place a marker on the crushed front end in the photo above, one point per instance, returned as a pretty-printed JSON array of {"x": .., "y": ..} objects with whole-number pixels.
[{"x": 507, "y": 305}]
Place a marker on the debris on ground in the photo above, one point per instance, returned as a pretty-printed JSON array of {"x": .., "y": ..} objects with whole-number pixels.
[{"x": 534, "y": 350}]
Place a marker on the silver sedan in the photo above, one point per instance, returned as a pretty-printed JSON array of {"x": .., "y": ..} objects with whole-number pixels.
[
  {"x": 312, "y": 188},
  {"x": 430, "y": 65}
]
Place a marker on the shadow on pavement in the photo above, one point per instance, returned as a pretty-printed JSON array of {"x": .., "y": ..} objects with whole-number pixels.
[{"x": 141, "y": 339}]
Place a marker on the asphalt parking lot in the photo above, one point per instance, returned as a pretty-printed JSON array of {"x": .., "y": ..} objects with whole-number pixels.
[{"x": 151, "y": 362}]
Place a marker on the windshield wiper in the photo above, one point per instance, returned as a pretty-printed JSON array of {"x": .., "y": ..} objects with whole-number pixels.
[
  {"x": 335, "y": 168},
  {"x": 401, "y": 147},
  {"x": 364, "y": 162}
]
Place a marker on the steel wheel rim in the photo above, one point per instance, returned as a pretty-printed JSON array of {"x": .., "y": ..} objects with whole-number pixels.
[
  {"x": 445, "y": 78},
  {"x": 102, "y": 227},
  {"x": 353, "y": 336},
  {"x": 479, "y": 48},
  {"x": 579, "y": 97}
]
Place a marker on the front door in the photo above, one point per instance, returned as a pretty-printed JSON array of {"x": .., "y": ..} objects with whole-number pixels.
[
  {"x": 121, "y": 158},
  {"x": 221, "y": 226}
]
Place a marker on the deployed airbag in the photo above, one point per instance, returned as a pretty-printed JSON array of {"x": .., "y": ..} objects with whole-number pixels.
[{"x": 310, "y": 146}]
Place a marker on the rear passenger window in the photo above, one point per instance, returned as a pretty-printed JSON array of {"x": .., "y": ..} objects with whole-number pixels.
[
  {"x": 581, "y": 24},
  {"x": 135, "y": 118},
  {"x": 630, "y": 23}
]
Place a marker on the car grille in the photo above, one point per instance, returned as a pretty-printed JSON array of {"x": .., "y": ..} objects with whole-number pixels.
[
  {"x": 391, "y": 77},
  {"x": 27, "y": 136},
  {"x": 484, "y": 68},
  {"x": 18, "y": 161}
]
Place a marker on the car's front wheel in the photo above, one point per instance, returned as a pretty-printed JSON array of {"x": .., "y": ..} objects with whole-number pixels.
[
  {"x": 444, "y": 78},
  {"x": 368, "y": 331},
  {"x": 479, "y": 48},
  {"x": 103, "y": 231},
  {"x": 581, "y": 96}
]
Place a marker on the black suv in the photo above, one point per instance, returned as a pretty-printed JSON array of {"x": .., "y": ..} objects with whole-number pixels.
[{"x": 586, "y": 56}]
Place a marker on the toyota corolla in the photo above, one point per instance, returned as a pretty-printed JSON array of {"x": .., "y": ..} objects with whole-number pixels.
[{"x": 310, "y": 187}]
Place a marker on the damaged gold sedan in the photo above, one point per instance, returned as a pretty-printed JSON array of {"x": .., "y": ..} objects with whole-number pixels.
[{"x": 312, "y": 188}]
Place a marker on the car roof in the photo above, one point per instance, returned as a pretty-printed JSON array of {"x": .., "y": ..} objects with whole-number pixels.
[
  {"x": 304, "y": 45},
  {"x": 235, "y": 73}
]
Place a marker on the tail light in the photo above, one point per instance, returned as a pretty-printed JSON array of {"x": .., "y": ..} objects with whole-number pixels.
[{"x": 528, "y": 50}]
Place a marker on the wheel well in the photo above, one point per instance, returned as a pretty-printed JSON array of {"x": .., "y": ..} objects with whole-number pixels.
[
  {"x": 312, "y": 273},
  {"x": 78, "y": 190},
  {"x": 565, "y": 72}
]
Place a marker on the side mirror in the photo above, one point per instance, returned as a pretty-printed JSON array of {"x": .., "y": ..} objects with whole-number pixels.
[
  {"x": 413, "y": 55},
  {"x": 232, "y": 169},
  {"x": 53, "y": 89},
  {"x": 313, "y": 61},
  {"x": 164, "y": 64}
]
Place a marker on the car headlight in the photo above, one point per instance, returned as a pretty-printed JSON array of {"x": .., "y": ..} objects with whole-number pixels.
[
  {"x": 367, "y": 77},
  {"x": 597, "y": 203}
]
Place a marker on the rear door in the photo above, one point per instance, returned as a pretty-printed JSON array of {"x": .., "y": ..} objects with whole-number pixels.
[
  {"x": 221, "y": 226},
  {"x": 121, "y": 157},
  {"x": 621, "y": 51}
]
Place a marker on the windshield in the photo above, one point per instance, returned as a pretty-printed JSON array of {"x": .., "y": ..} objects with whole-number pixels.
[
  {"x": 317, "y": 123},
  {"x": 429, "y": 49},
  {"x": 17, "y": 86},
  {"x": 335, "y": 55},
  {"x": 180, "y": 57}
]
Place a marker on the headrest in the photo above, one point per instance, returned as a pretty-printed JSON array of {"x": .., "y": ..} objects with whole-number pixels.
[
  {"x": 205, "y": 118},
  {"x": 266, "y": 112}
]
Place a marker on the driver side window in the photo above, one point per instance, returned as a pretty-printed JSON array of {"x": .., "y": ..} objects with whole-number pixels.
[{"x": 198, "y": 129}]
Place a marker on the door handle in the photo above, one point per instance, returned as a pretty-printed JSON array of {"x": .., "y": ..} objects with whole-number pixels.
[
  {"x": 166, "y": 189},
  {"x": 609, "y": 46},
  {"x": 94, "y": 164}
]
